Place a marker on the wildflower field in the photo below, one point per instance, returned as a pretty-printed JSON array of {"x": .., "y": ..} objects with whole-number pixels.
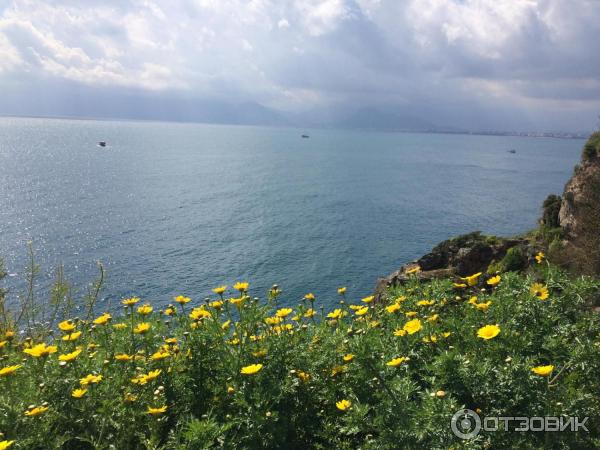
[{"x": 234, "y": 371}]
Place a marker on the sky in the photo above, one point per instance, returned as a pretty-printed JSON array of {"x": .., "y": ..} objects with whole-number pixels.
[{"x": 469, "y": 64}]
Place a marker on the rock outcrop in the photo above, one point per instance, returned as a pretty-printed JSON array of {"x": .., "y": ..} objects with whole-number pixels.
[
  {"x": 579, "y": 214},
  {"x": 461, "y": 256}
]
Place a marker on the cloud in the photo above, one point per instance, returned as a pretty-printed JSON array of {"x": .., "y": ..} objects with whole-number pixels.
[{"x": 444, "y": 59}]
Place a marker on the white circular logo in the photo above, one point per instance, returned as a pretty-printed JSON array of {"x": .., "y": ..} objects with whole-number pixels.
[{"x": 465, "y": 423}]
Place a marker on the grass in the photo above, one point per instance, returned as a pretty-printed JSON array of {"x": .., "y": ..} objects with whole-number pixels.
[{"x": 238, "y": 372}]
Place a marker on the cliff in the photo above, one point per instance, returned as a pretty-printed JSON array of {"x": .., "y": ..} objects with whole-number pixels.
[
  {"x": 579, "y": 214},
  {"x": 569, "y": 231}
]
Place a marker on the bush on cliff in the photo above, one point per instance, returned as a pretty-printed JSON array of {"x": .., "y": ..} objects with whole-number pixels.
[{"x": 236, "y": 372}]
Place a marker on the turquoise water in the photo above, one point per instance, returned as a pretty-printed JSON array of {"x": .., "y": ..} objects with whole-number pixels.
[{"x": 180, "y": 208}]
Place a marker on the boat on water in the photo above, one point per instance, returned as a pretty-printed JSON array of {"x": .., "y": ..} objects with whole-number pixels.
[
  {"x": 102, "y": 143},
  {"x": 305, "y": 136},
  {"x": 512, "y": 150}
]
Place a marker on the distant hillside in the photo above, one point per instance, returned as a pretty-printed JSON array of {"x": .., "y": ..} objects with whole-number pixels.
[{"x": 376, "y": 119}]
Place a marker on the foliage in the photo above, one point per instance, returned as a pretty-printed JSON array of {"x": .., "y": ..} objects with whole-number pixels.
[
  {"x": 551, "y": 209},
  {"x": 591, "y": 149},
  {"x": 236, "y": 372},
  {"x": 514, "y": 260}
]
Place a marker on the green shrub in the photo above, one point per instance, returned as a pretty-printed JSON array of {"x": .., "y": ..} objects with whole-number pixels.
[
  {"x": 551, "y": 208},
  {"x": 514, "y": 260},
  {"x": 591, "y": 149}
]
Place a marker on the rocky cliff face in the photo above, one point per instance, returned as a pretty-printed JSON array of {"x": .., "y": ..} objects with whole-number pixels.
[{"x": 579, "y": 215}]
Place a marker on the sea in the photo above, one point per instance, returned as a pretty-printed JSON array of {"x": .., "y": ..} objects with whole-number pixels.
[{"x": 179, "y": 208}]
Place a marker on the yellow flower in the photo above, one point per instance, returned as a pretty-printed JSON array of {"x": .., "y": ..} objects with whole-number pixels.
[
  {"x": 40, "y": 350},
  {"x": 139, "y": 379},
  {"x": 90, "y": 379},
  {"x": 216, "y": 304},
  {"x": 283, "y": 312},
  {"x": 161, "y": 354},
  {"x": 259, "y": 354},
  {"x": 69, "y": 356},
  {"x": 3, "y": 343},
  {"x": 310, "y": 297},
  {"x": 362, "y": 311},
  {"x": 399, "y": 332},
  {"x": 425, "y": 302},
  {"x": 368, "y": 299},
  {"x": 103, "y": 319},
  {"x": 199, "y": 313},
  {"x": 472, "y": 279},
  {"x": 393, "y": 308},
  {"x": 494, "y": 280},
  {"x": 171, "y": 340},
  {"x": 412, "y": 326},
  {"x": 309, "y": 313},
  {"x": 349, "y": 357},
  {"x": 483, "y": 306},
  {"x": 238, "y": 302},
  {"x": 241, "y": 286},
  {"x": 343, "y": 405},
  {"x": 303, "y": 376},
  {"x": 33, "y": 412},
  {"x": 251, "y": 369},
  {"x": 129, "y": 398},
  {"x": 219, "y": 289},
  {"x": 446, "y": 334},
  {"x": 145, "y": 309},
  {"x": 9, "y": 334},
  {"x": 540, "y": 257},
  {"x": 430, "y": 339},
  {"x": 182, "y": 300},
  {"x": 342, "y": 290},
  {"x": 410, "y": 314},
  {"x": 9, "y": 370},
  {"x": 540, "y": 291},
  {"x": 440, "y": 394},
  {"x": 71, "y": 336},
  {"x": 123, "y": 357},
  {"x": 130, "y": 301},
  {"x": 230, "y": 390},
  {"x": 433, "y": 318},
  {"x": 459, "y": 285},
  {"x": 120, "y": 326},
  {"x": 473, "y": 300},
  {"x": 156, "y": 411},
  {"x": 67, "y": 325},
  {"x": 153, "y": 374},
  {"x": 397, "y": 361},
  {"x": 5, "y": 444},
  {"x": 143, "y": 379},
  {"x": 413, "y": 270},
  {"x": 336, "y": 314},
  {"x": 225, "y": 324},
  {"x": 78, "y": 393},
  {"x": 543, "y": 371},
  {"x": 273, "y": 320},
  {"x": 337, "y": 369},
  {"x": 141, "y": 328},
  {"x": 488, "y": 332}
]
